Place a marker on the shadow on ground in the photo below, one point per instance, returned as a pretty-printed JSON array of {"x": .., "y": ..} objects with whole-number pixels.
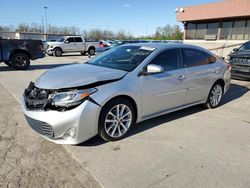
[
  {"x": 36, "y": 67},
  {"x": 235, "y": 91}
]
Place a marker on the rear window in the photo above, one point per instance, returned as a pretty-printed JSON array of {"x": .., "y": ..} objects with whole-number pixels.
[
  {"x": 193, "y": 57},
  {"x": 78, "y": 39}
]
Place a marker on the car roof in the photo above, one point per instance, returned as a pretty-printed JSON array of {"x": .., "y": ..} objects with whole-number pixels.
[
  {"x": 161, "y": 46},
  {"x": 73, "y": 36}
]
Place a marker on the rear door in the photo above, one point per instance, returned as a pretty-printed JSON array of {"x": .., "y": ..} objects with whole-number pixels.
[
  {"x": 201, "y": 74},
  {"x": 79, "y": 44},
  {"x": 166, "y": 90}
]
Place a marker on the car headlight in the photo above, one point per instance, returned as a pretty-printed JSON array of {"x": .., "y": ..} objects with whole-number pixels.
[{"x": 71, "y": 98}]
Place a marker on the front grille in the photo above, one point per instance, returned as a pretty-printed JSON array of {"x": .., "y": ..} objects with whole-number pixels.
[
  {"x": 40, "y": 127},
  {"x": 241, "y": 61}
]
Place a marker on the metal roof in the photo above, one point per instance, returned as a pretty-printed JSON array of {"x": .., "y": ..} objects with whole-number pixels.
[{"x": 218, "y": 10}]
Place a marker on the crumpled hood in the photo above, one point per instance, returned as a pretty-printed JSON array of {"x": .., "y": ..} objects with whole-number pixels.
[{"x": 71, "y": 76}]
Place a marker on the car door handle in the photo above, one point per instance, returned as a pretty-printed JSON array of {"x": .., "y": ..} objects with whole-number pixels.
[
  {"x": 213, "y": 71},
  {"x": 182, "y": 77}
]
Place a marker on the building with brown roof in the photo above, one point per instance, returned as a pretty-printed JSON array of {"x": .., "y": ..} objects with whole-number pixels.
[{"x": 222, "y": 20}]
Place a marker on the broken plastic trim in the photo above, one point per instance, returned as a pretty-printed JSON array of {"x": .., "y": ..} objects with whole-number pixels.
[{"x": 49, "y": 106}]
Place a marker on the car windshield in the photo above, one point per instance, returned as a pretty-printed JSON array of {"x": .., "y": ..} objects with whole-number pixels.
[
  {"x": 60, "y": 39},
  {"x": 125, "y": 58},
  {"x": 245, "y": 47}
]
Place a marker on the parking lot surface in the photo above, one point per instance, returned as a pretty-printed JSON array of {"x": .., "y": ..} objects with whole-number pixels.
[{"x": 194, "y": 147}]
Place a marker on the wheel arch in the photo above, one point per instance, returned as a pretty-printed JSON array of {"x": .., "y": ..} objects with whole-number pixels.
[
  {"x": 58, "y": 47},
  {"x": 91, "y": 47},
  {"x": 128, "y": 98},
  {"x": 20, "y": 51},
  {"x": 220, "y": 81}
]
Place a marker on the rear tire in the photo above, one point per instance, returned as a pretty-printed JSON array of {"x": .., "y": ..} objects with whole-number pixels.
[
  {"x": 20, "y": 61},
  {"x": 91, "y": 51},
  {"x": 57, "y": 52},
  {"x": 116, "y": 119},
  {"x": 214, "y": 96}
]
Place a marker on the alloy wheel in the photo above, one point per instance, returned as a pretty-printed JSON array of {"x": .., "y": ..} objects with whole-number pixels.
[
  {"x": 216, "y": 95},
  {"x": 20, "y": 61},
  {"x": 118, "y": 121}
]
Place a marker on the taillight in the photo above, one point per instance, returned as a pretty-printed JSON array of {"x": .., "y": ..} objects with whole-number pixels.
[{"x": 229, "y": 67}]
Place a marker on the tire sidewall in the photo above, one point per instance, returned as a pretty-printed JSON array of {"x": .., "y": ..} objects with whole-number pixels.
[
  {"x": 101, "y": 130},
  {"x": 57, "y": 52},
  {"x": 91, "y": 51}
]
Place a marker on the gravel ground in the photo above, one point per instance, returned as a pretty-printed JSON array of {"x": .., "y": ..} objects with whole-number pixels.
[{"x": 27, "y": 160}]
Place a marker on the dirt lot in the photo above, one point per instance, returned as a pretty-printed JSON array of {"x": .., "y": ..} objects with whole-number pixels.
[
  {"x": 27, "y": 160},
  {"x": 194, "y": 147}
]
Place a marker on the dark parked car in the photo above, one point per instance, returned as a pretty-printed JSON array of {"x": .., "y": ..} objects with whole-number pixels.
[
  {"x": 240, "y": 61},
  {"x": 18, "y": 53}
]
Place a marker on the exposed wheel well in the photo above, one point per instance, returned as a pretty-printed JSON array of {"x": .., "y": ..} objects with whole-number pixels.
[
  {"x": 131, "y": 100},
  {"x": 19, "y": 51}
]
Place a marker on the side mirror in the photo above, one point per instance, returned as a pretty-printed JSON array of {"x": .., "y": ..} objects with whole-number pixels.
[
  {"x": 235, "y": 49},
  {"x": 152, "y": 69},
  {"x": 66, "y": 41}
]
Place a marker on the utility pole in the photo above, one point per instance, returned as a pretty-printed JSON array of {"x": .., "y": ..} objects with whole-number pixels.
[
  {"x": 42, "y": 25},
  {"x": 46, "y": 23}
]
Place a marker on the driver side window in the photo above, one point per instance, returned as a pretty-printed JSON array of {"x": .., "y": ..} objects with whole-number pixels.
[
  {"x": 169, "y": 59},
  {"x": 70, "y": 40}
]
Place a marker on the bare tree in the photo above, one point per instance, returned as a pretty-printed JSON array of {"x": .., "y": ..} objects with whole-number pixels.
[
  {"x": 23, "y": 27},
  {"x": 169, "y": 32}
]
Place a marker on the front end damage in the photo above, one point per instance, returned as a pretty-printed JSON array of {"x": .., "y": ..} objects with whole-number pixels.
[{"x": 64, "y": 123}]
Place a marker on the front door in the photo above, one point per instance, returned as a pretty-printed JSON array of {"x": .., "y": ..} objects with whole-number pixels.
[
  {"x": 164, "y": 91},
  {"x": 69, "y": 45}
]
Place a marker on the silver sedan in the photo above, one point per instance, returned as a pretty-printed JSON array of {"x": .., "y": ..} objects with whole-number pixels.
[{"x": 123, "y": 86}]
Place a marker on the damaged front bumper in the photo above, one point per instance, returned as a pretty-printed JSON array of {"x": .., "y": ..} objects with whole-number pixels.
[{"x": 63, "y": 127}]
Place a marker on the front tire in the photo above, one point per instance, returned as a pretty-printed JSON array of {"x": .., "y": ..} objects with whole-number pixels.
[
  {"x": 57, "y": 52},
  {"x": 214, "y": 96},
  {"x": 20, "y": 61},
  {"x": 116, "y": 119}
]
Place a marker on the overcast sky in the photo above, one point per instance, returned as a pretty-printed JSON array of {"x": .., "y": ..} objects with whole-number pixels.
[{"x": 140, "y": 17}]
